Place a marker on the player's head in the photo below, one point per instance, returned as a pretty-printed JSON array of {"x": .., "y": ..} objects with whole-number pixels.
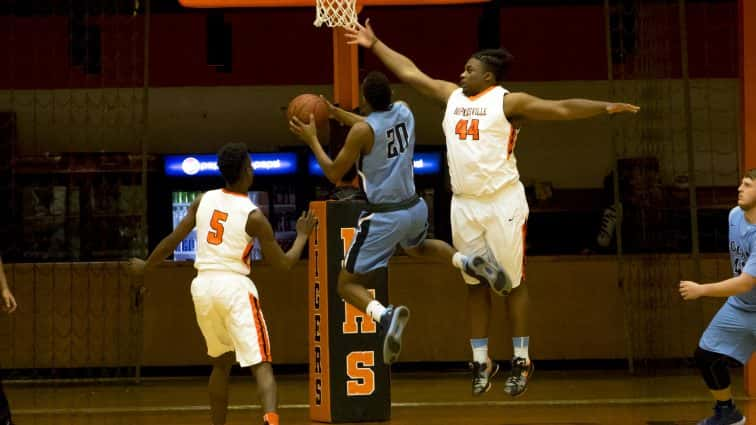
[
  {"x": 747, "y": 190},
  {"x": 377, "y": 91},
  {"x": 234, "y": 164},
  {"x": 484, "y": 69}
]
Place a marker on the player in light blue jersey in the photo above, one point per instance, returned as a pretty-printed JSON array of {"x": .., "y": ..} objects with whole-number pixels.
[
  {"x": 731, "y": 335},
  {"x": 383, "y": 142}
]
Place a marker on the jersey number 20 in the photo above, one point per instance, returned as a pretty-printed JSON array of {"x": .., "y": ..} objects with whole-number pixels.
[
  {"x": 397, "y": 139},
  {"x": 215, "y": 234}
]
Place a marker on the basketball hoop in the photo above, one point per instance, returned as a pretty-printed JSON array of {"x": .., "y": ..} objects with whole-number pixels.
[{"x": 336, "y": 13}]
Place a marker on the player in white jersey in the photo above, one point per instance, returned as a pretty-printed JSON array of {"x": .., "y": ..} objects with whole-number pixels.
[
  {"x": 226, "y": 301},
  {"x": 489, "y": 209}
]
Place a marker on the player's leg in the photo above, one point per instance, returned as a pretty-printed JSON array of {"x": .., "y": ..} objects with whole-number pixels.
[
  {"x": 728, "y": 339},
  {"x": 248, "y": 330},
  {"x": 506, "y": 219},
  {"x": 467, "y": 236},
  {"x": 518, "y": 304},
  {"x": 352, "y": 287},
  {"x": 220, "y": 347},
  {"x": 267, "y": 391},
  {"x": 475, "y": 266},
  {"x": 218, "y": 386},
  {"x": 373, "y": 246}
]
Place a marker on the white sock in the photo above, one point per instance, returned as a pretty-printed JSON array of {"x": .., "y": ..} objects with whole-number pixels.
[
  {"x": 479, "y": 349},
  {"x": 459, "y": 260},
  {"x": 520, "y": 345},
  {"x": 375, "y": 309}
]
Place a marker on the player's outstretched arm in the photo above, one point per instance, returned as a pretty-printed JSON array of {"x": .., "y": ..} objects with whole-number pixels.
[
  {"x": 524, "y": 107},
  {"x": 400, "y": 65},
  {"x": 733, "y": 286},
  {"x": 341, "y": 115},
  {"x": 8, "y": 300},
  {"x": 358, "y": 138},
  {"x": 259, "y": 227},
  {"x": 170, "y": 242}
]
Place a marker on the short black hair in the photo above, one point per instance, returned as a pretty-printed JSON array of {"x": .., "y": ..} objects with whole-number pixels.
[
  {"x": 497, "y": 61},
  {"x": 377, "y": 91},
  {"x": 231, "y": 159}
]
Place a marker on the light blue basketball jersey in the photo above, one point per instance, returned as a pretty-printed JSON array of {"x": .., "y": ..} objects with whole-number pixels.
[
  {"x": 387, "y": 172},
  {"x": 742, "y": 256}
]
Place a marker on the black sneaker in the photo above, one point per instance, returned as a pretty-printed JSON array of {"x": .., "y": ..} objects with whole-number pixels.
[
  {"x": 482, "y": 376},
  {"x": 390, "y": 329},
  {"x": 517, "y": 382},
  {"x": 725, "y": 415},
  {"x": 481, "y": 269}
]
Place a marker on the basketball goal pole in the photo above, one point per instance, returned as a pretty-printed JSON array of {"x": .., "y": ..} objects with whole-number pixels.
[{"x": 346, "y": 92}]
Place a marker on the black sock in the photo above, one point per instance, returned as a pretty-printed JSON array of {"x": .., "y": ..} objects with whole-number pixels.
[{"x": 726, "y": 403}]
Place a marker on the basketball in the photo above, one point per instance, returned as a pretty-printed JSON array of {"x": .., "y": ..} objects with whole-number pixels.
[{"x": 304, "y": 105}]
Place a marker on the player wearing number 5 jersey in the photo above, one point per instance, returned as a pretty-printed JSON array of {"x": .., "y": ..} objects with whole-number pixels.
[
  {"x": 226, "y": 301},
  {"x": 384, "y": 143},
  {"x": 489, "y": 209}
]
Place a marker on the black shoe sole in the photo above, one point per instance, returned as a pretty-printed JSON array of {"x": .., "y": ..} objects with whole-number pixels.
[
  {"x": 501, "y": 284},
  {"x": 392, "y": 344}
]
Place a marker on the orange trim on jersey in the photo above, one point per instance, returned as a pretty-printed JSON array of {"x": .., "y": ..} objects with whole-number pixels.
[
  {"x": 524, "y": 257},
  {"x": 262, "y": 333},
  {"x": 478, "y": 96},
  {"x": 511, "y": 141},
  {"x": 228, "y": 192},
  {"x": 264, "y": 326}
]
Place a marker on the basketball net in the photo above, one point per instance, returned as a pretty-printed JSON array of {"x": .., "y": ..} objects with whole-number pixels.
[{"x": 336, "y": 13}]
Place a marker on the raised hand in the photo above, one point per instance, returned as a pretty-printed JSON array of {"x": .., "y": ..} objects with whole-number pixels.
[
  {"x": 361, "y": 35},
  {"x": 306, "y": 222},
  {"x": 331, "y": 107},
  {"x": 619, "y": 108},
  {"x": 307, "y": 132}
]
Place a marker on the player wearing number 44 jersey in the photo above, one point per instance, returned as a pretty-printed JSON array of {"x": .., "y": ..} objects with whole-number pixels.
[
  {"x": 384, "y": 143},
  {"x": 489, "y": 209},
  {"x": 226, "y": 301}
]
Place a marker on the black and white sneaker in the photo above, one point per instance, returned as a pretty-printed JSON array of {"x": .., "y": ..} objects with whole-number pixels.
[
  {"x": 391, "y": 327},
  {"x": 481, "y": 269}
]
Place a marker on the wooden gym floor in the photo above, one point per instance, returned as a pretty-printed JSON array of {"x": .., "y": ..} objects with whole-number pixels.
[{"x": 574, "y": 397}]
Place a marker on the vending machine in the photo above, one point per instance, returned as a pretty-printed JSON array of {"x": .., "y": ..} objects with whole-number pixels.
[{"x": 276, "y": 190}]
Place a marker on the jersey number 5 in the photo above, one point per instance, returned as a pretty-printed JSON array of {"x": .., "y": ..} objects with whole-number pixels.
[
  {"x": 463, "y": 130},
  {"x": 215, "y": 235}
]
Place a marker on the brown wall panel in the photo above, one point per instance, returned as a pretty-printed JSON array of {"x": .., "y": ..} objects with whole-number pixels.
[{"x": 81, "y": 315}]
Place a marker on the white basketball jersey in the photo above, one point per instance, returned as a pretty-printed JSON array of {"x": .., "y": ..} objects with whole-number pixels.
[
  {"x": 480, "y": 143},
  {"x": 222, "y": 240}
]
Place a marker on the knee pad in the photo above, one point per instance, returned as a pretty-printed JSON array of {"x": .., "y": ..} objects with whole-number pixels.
[{"x": 713, "y": 367}]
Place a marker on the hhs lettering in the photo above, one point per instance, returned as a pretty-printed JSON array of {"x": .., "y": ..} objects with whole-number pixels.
[{"x": 359, "y": 364}]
